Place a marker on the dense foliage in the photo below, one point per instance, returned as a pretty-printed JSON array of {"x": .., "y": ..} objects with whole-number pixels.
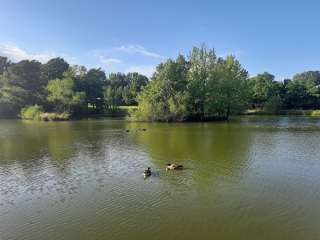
[
  {"x": 302, "y": 92},
  {"x": 32, "y": 112},
  {"x": 56, "y": 87},
  {"x": 203, "y": 86},
  {"x": 200, "y": 86}
]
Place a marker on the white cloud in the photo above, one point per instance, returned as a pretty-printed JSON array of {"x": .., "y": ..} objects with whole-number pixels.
[
  {"x": 15, "y": 54},
  {"x": 108, "y": 61},
  {"x": 236, "y": 53},
  {"x": 138, "y": 49},
  {"x": 146, "y": 70}
]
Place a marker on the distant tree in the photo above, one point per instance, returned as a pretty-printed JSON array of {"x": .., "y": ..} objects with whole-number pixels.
[
  {"x": 112, "y": 97},
  {"x": 227, "y": 89},
  {"x": 78, "y": 73},
  {"x": 94, "y": 80},
  {"x": 4, "y": 64},
  {"x": 296, "y": 95},
  {"x": 123, "y": 89},
  {"x": 201, "y": 63},
  {"x": 62, "y": 93},
  {"x": 12, "y": 99},
  {"x": 273, "y": 105},
  {"x": 135, "y": 82},
  {"x": 262, "y": 87},
  {"x": 313, "y": 76},
  {"x": 165, "y": 97},
  {"x": 25, "y": 75},
  {"x": 116, "y": 90},
  {"x": 311, "y": 82},
  {"x": 53, "y": 69}
]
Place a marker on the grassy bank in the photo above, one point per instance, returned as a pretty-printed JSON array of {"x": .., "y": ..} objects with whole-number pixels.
[
  {"x": 298, "y": 112},
  {"x": 36, "y": 113}
]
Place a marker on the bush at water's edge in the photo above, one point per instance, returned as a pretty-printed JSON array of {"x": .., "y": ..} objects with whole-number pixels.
[
  {"x": 315, "y": 113},
  {"x": 35, "y": 112},
  {"x": 32, "y": 112}
]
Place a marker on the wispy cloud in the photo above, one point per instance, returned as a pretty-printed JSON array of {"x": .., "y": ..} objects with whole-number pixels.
[
  {"x": 115, "y": 59},
  {"x": 146, "y": 70},
  {"x": 139, "y": 50},
  {"x": 236, "y": 53},
  {"x": 108, "y": 61},
  {"x": 15, "y": 53},
  {"x": 97, "y": 58}
]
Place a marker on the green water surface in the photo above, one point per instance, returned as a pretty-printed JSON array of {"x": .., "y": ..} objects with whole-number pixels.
[{"x": 250, "y": 178}]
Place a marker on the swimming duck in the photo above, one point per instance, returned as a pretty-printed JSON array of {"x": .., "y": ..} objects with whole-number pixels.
[
  {"x": 147, "y": 172},
  {"x": 172, "y": 166}
]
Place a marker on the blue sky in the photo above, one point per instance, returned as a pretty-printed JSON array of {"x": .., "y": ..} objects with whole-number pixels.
[{"x": 281, "y": 37}]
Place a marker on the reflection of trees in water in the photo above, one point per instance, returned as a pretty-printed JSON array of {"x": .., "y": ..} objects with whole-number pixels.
[
  {"x": 207, "y": 148},
  {"x": 54, "y": 159},
  {"x": 31, "y": 142}
]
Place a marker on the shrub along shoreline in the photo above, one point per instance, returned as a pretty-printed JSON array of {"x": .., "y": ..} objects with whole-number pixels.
[
  {"x": 127, "y": 113},
  {"x": 285, "y": 112},
  {"x": 36, "y": 113}
]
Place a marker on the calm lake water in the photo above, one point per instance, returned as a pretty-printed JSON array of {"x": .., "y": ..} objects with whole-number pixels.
[{"x": 251, "y": 178}]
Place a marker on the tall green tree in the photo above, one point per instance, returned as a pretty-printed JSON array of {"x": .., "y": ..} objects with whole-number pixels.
[
  {"x": 135, "y": 82},
  {"x": 123, "y": 89},
  {"x": 201, "y": 65},
  {"x": 296, "y": 95},
  {"x": 53, "y": 69},
  {"x": 25, "y": 75},
  {"x": 200, "y": 88},
  {"x": 94, "y": 80},
  {"x": 227, "y": 89},
  {"x": 310, "y": 81},
  {"x": 262, "y": 87},
  {"x": 61, "y": 92},
  {"x": 12, "y": 99},
  {"x": 165, "y": 97}
]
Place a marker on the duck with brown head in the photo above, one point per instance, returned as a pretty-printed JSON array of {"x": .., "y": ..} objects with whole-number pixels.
[{"x": 173, "y": 166}]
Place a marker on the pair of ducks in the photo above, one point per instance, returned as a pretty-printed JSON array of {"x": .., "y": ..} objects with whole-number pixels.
[
  {"x": 170, "y": 166},
  {"x": 140, "y": 129}
]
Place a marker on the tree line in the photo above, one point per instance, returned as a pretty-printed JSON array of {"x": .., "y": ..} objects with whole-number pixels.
[
  {"x": 300, "y": 92},
  {"x": 200, "y": 86},
  {"x": 57, "y": 87}
]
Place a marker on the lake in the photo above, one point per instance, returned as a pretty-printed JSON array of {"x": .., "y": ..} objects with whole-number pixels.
[{"x": 250, "y": 178}]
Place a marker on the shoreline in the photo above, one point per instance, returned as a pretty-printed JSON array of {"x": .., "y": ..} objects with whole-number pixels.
[{"x": 122, "y": 114}]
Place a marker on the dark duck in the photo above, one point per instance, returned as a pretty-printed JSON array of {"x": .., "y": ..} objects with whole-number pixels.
[{"x": 147, "y": 172}]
